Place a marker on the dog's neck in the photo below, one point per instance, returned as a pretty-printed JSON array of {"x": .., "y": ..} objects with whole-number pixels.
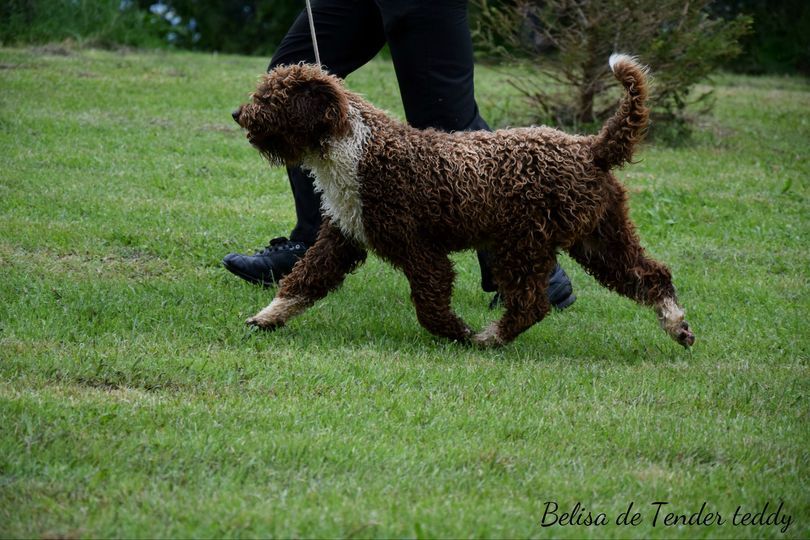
[{"x": 335, "y": 174}]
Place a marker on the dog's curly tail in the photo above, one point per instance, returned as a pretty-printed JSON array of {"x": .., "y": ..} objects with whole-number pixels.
[{"x": 614, "y": 145}]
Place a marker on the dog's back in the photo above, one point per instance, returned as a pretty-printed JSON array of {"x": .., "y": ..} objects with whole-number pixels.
[
  {"x": 474, "y": 188},
  {"x": 470, "y": 189}
]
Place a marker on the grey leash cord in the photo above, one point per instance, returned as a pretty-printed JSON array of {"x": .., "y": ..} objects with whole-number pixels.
[{"x": 312, "y": 32}]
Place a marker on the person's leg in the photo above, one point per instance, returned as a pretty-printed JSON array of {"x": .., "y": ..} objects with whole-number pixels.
[
  {"x": 431, "y": 48},
  {"x": 432, "y": 52},
  {"x": 349, "y": 35}
]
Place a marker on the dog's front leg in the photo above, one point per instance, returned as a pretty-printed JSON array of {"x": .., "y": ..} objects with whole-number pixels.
[{"x": 321, "y": 270}]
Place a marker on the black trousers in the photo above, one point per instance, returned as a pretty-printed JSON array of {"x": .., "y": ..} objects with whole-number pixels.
[{"x": 432, "y": 52}]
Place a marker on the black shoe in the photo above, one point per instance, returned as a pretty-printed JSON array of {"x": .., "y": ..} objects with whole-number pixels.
[
  {"x": 560, "y": 292},
  {"x": 268, "y": 266}
]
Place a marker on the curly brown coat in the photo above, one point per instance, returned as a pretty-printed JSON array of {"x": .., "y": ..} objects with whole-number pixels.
[{"x": 413, "y": 196}]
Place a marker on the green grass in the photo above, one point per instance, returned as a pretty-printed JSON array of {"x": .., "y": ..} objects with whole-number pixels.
[{"x": 134, "y": 402}]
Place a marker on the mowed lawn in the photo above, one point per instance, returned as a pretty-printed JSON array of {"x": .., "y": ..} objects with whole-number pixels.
[{"x": 134, "y": 402}]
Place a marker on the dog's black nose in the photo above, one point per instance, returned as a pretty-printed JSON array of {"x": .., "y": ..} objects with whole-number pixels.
[{"x": 236, "y": 114}]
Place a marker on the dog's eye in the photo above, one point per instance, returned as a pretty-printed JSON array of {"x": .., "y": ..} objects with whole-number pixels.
[{"x": 261, "y": 98}]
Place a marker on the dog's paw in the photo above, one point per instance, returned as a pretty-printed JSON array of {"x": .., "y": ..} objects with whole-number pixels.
[
  {"x": 488, "y": 337},
  {"x": 264, "y": 323},
  {"x": 671, "y": 318},
  {"x": 684, "y": 335}
]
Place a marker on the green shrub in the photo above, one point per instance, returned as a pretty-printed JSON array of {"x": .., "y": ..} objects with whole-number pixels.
[
  {"x": 569, "y": 41},
  {"x": 97, "y": 22}
]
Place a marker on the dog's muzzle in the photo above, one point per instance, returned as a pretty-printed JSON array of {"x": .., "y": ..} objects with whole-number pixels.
[{"x": 236, "y": 114}]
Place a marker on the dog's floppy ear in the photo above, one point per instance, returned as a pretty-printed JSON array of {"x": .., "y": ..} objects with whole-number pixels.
[{"x": 318, "y": 107}]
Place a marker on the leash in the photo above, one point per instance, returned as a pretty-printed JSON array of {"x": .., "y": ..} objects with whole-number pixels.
[{"x": 312, "y": 32}]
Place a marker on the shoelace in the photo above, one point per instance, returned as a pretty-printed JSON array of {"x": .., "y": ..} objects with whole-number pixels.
[{"x": 280, "y": 244}]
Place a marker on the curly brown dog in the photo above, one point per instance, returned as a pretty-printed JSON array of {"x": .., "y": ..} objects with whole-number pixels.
[{"x": 413, "y": 196}]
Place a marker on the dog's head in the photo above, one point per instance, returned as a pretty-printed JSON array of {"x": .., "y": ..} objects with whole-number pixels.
[{"x": 294, "y": 111}]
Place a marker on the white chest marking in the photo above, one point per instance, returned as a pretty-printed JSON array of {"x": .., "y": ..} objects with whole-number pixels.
[{"x": 335, "y": 177}]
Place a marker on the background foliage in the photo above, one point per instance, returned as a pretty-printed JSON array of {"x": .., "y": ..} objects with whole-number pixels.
[
  {"x": 105, "y": 23},
  {"x": 780, "y": 41},
  {"x": 566, "y": 43},
  {"x": 232, "y": 26}
]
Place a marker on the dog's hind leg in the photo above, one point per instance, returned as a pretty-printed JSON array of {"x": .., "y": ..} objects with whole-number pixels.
[
  {"x": 614, "y": 256},
  {"x": 430, "y": 274},
  {"x": 522, "y": 282},
  {"x": 321, "y": 270}
]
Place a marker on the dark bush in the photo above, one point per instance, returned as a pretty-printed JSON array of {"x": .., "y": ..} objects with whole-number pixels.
[
  {"x": 230, "y": 26},
  {"x": 94, "y": 22},
  {"x": 780, "y": 40}
]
